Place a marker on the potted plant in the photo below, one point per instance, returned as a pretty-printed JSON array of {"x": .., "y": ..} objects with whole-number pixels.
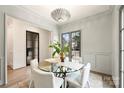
[{"x": 62, "y": 51}]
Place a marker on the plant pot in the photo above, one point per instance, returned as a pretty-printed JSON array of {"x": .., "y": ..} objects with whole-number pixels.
[{"x": 62, "y": 57}]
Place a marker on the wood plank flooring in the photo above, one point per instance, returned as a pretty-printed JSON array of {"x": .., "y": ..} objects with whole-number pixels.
[{"x": 20, "y": 78}]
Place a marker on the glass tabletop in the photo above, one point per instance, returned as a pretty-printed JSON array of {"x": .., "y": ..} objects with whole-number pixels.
[
  {"x": 56, "y": 68},
  {"x": 59, "y": 71},
  {"x": 45, "y": 68}
]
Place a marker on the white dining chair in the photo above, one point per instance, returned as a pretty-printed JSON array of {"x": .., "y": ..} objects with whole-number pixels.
[
  {"x": 81, "y": 79},
  {"x": 44, "y": 79},
  {"x": 33, "y": 64},
  {"x": 66, "y": 59},
  {"x": 77, "y": 59}
]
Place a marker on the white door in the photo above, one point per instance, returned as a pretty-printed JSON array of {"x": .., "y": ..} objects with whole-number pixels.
[{"x": 2, "y": 49}]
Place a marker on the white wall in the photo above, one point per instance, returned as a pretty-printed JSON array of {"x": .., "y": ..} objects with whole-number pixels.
[
  {"x": 9, "y": 34},
  {"x": 19, "y": 28},
  {"x": 96, "y": 40},
  {"x": 115, "y": 45}
]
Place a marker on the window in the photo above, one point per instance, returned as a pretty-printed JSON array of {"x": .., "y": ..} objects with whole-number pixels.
[{"x": 73, "y": 39}]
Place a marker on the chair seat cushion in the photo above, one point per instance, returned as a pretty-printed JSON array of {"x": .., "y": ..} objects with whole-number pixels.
[
  {"x": 58, "y": 82},
  {"x": 74, "y": 79}
]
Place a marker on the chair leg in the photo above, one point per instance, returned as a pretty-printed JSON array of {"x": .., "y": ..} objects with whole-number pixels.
[
  {"x": 30, "y": 83},
  {"x": 67, "y": 86},
  {"x": 88, "y": 83},
  {"x": 65, "y": 83}
]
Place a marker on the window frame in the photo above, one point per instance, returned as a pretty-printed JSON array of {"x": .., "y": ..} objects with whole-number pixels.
[{"x": 70, "y": 43}]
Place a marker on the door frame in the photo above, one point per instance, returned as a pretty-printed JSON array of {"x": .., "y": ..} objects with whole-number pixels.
[
  {"x": 5, "y": 25},
  {"x": 27, "y": 31},
  {"x": 120, "y": 44},
  {"x": 3, "y": 71}
]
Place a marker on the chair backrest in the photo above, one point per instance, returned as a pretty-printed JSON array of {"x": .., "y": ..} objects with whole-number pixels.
[
  {"x": 85, "y": 74},
  {"x": 66, "y": 59},
  {"x": 34, "y": 63},
  {"x": 77, "y": 59},
  {"x": 42, "y": 79}
]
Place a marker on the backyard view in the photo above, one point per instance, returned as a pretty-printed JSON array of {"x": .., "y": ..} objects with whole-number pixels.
[{"x": 73, "y": 40}]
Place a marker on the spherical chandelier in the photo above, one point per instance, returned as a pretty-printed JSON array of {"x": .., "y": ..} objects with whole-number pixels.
[{"x": 60, "y": 15}]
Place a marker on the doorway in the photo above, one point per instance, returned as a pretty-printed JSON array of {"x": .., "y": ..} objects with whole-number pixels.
[
  {"x": 32, "y": 46},
  {"x": 73, "y": 39}
]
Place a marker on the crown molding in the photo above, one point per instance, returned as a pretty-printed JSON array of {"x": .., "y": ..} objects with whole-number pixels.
[{"x": 32, "y": 12}]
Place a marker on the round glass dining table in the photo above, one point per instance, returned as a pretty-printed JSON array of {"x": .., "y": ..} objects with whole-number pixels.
[{"x": 60, "y": 71}]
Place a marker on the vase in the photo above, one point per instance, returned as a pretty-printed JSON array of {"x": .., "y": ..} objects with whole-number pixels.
[{"x": 62, "y": 57}]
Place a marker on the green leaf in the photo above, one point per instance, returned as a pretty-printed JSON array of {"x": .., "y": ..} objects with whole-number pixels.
[
  {"x": 51, "y": 46},
  {"x": 53, "y": 54},
  {"x": 66, "y": 48},
  {"x": 58, "y": 48}
]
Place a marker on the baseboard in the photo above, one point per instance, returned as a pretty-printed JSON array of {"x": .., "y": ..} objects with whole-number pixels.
[
  {"x": 100, "y": 73},
  {"x": 9, "y": 67}
]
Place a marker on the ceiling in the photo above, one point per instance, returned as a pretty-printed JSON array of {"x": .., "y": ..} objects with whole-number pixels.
[{"x": 77, "y": 12}]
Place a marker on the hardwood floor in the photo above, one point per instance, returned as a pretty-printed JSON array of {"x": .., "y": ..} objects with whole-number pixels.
[
  {"x": 107, "y": 79},
  {"x": 20, "y": 78}
]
